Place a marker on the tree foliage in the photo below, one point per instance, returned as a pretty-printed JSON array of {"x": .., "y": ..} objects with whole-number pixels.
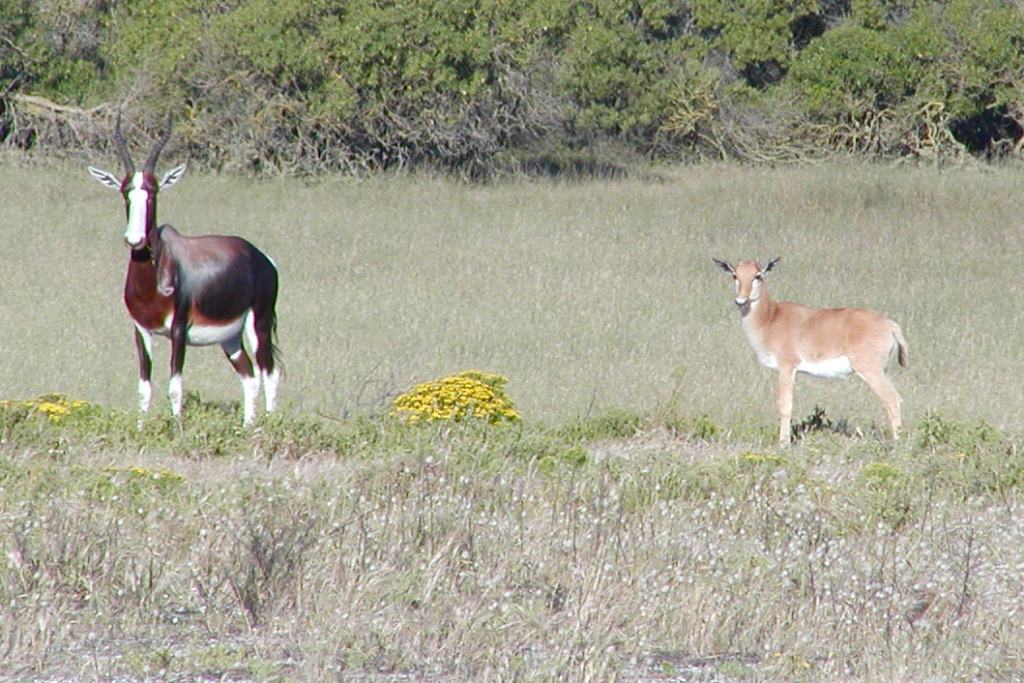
[
  {"x": 483, "y": 86},
  {"x": 948, "y": 76}
]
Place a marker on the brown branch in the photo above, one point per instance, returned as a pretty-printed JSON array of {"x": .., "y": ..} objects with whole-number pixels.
[{"x": 37, "y": 103}]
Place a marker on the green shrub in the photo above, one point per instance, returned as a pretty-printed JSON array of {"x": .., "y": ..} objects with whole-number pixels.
[
  {"x": 934, "y": 431},
  {"x": 620, "y": 61},
  {"x": 888, "y": 496},
  {"x": 757, "y": 34},
  {"x": 614, "y": 424},
  {"x": 479, "y": 87},
  {"x": 853, "y": 70},
  {"x": 129, "y": 487},
  {"x": 53, "y": 47},
  {"x": 949, "y": 74},
  {"x": 572, "y": 457}
]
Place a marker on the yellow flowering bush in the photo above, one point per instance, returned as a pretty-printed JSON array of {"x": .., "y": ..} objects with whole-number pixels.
[
  {"x": 56, "y": 407},
  {"x": 470, "y": 394}
]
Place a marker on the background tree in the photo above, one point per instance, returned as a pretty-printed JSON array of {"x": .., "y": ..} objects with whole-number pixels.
[{"x": 484, "y": 87}]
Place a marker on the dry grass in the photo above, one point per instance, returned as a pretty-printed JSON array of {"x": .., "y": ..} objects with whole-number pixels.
[
  {"x": 361, "y": 549},
  {"x": 588, "y": 296},
  {"x": 464, "y": 553}
]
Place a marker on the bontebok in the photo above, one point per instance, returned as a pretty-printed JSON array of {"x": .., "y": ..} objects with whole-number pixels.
[
  {"x": 195, "y": 290},
  {"x": 826, "y": 342}
]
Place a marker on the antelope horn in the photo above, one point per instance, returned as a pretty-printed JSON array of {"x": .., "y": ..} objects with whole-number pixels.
[
  {"x": 151, "y": 159},
  {"x": 122, "y": 148}
]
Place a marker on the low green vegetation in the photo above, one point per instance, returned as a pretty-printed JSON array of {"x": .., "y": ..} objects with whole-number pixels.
[{"x": 614, "y": 548}]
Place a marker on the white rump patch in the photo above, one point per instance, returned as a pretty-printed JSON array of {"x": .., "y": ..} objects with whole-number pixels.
[{"x": 832, "y": 368}]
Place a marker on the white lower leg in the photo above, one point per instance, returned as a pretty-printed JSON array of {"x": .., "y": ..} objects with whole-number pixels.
[
  {"x": 270, "y": 382},
  {"x": 145, "y": 395},
  {"x": 785, "y": 429},
  {"x": 250, "y": 391},
  {"x": 785, "y": 404},
  {"x": 895, "y": 420},
  {"x": 174, "y": 391}
]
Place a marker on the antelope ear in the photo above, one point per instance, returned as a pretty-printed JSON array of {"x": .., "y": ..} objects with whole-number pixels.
[
  {"x": 172, "y": 176},
  {"x": 771, "y": 264},
  {"x": 105, "y": 177},
  {"x": 723, "y": 265}
]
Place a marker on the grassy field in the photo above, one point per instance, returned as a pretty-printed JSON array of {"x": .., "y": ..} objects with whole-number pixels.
[
  {"x": 588, "y": 296},
  {"x": 638, "y": 525}
]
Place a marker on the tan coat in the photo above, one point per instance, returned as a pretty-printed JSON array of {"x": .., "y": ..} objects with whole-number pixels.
[{"x": 825, "y": 342}]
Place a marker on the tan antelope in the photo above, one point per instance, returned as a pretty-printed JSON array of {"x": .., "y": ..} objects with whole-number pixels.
[{"x": 825, "y": 342}]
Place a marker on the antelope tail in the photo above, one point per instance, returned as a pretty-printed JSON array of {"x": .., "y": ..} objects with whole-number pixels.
[
  {"x": 901, "y": 344},
  {"x": 275, "y": 352}
]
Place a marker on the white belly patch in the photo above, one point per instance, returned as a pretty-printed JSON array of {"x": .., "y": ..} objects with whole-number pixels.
[
  {"x": 203, "y": 335},
  {"x": 833, "y": 368}
]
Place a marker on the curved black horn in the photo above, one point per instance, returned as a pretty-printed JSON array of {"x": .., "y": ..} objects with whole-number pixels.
[
  {"x": 153, "y": 155},
  {"x": 122, "y": 148}
]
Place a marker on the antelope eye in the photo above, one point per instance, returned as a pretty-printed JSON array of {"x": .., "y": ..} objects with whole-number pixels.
[{"x": 759, "y": 276}]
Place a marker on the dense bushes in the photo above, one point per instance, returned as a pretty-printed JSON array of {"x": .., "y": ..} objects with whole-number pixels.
[
  {"x": 948, "y": 76},
  {"x": 479, "y": 86}
]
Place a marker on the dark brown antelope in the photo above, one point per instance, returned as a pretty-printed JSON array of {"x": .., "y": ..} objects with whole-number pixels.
[
  {"x": 197, "y": 291},
  {"x": 825, "y": 342}
]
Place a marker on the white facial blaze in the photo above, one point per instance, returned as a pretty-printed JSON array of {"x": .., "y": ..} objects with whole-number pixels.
[{"x": 138, "y": 199}]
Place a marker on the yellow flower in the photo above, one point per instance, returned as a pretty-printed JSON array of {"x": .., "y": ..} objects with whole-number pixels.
[
  {"x": 56, "y": 407},
  {"x": 470, "y": 394}
]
